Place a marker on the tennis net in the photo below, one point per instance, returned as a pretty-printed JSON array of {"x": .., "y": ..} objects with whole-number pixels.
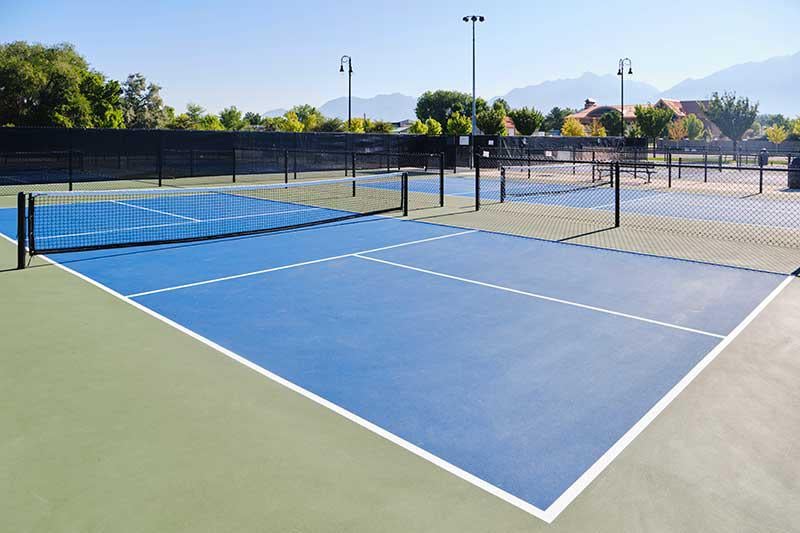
[
  {"x": 553, "y": 179},
  {"x": 90, "y": 220}
]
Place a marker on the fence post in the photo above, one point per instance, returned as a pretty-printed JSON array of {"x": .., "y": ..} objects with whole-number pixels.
[
  {"x": 477, "y": 158},
  {"x": 574, "y": 169},
  {"x": 286, "y": 166},
  {"x": 233, "y": 164},
  {"x": 21, "y": 230},
  {"x": 617, "y": 202},
  {"x": 669, "y": 171},
  {"x": 191, "y": 162},
  {"x": 760, "y": 179},
  {"x": 705, "y": 166},
  {"x": 353, "y": 159},
  {"x": 502, "y": 184},
  {"x": 594, "y": 159},
  {"x": 528, "y": 150},
  {"x": 441, "y": 179},
  {"x": 720, "y": 160},
  {"x": 680, "y": 167}
]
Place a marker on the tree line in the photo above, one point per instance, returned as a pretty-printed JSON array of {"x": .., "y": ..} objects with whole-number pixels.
[{"x": 54, "y": 86}]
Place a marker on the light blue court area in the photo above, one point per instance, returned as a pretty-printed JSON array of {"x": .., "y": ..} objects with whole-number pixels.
[{"x": 518, "y": 361}]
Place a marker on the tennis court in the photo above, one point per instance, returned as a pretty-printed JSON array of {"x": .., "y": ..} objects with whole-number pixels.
[{"x": 519, "y": 365}]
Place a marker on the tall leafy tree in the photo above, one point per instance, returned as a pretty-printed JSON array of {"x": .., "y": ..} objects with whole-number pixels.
[
  {"x": 380, "y": 126},
  {"x": 433, "y": 127},
  {"x": 796, "y": 127},
  {"x": 331, "y": 125},
  {"x": 252, "y": 119},
  {"x": 491, "y": 122},
  {"x": 289, "y": 122},
  {"x": 441, "y": 104},
  {"x": 210, "y": 122},
  {"x": 459, "y": 124},
  {"x": 612, "y": 122},
  {"x": 195, "y": 112},
  {"x": 501, "y": 106},
  {"x": 597, "y": 129},
  {"x": 142, "y": 105},
  {"x": 309, "y": 116},
  {"x": 526, "y": 120},
  {"x": 652, "y": 121},
  {"x": 776, "y": 134},
  {"x": 554, "y": 120},
  {"x": 733, "y": 115},
  {"x": 694, "y": 127},
  {"x": 677, "y": 130},
  {"x": 231, "y": 118},
  {"x": 573, "y": 128},
  {"x": 418, "y": 128},
  {"x": 53, "y": 86}
]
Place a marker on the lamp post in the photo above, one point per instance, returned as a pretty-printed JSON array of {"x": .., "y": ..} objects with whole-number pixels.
[
  {"x": 621, "y": 73},
  {"x": 473, "y": 19},
  {"x": 347, "y": 60}
]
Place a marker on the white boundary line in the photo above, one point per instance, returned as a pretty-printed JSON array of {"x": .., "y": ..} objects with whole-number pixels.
[
  {"x": 568, "y": 496},
  {"x": 587, "y": 477},
  {"x": 295, "y": 265}
]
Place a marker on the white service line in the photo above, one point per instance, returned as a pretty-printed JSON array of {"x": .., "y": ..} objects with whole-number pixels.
[
  {"x": 134, "y": 206},
  {"x": 295, "y": 265},
  {"x": 540, "y": 296}
]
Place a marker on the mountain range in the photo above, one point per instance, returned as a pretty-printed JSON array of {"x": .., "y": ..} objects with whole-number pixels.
[{"x": 774, "y": 83}]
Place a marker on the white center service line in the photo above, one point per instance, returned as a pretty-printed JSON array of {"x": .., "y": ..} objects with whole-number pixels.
[
  {"x": 540, "y": 296},
  {"x": 154, "y": 210},
  {"x": 295, "y": 265}
]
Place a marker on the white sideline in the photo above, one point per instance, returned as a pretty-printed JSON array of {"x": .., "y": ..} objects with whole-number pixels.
[
  {"x": 541, "y": 297},
  {"x": 295, "y": 265}
]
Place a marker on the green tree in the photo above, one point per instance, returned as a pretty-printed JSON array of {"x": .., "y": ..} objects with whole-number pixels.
[
  {"x": 776, "y": 134},
  {"x": 597, "y": 129},
  {"x": 433, "y": 126},
  {"x": 573, "y": 128},
  {"x": 677, "y": 130},
  {"x": 774, "y": 120},
  {"x": 357, "y": 125},
  {"x": 210, "y": 122},
  {"x": 526, "y": 120},
  {"x": 501, "y": 106},
  {"x": 733, "y": 115},
  {"x": 418, "y": 128},
  {"x": 652, "y": 121},
  {"x": 104, "y": 100},
  {"x": 694, "y": 127},
  {"x": 231, "y": 118},
  {"x": 554, "y": 120},
  {"x": 331, "y": 125},
  {"x": 180, "y": 122},
  {"x": 53, "y": 86},
  {"x": 612, "y": 122},
  {"x": 142, "y": 106},
  {"x": 251, "y": 118},
  {"x": 308, "y": 115},
  {"x": 441, "y": 104},
  {"x": 289, "y": 122},
  {"x": 491, "y": 122},
  {"x": 270, "y": 123},
  {"x": 796, "y": 127},
  {"x": 459, "y": 124},
  {"x": 195, "y": 112},
  {"x": 380, "y": 126}
]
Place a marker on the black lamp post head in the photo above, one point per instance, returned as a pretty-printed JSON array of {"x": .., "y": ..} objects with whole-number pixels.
[
  {"x": 341, "y": 68},
  {"x": 619, "y": 72},
  {"x": 474, "y": 18},
  {"x": 465, "y": 19},
  {"x": 630, "y": 71}
]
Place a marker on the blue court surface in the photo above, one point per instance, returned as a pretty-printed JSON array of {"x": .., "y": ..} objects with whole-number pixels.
[{"x": 517, "y": 361}]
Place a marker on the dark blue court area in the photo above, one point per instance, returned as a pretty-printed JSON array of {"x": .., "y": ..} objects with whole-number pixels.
[{"x": 519, "y": 361}]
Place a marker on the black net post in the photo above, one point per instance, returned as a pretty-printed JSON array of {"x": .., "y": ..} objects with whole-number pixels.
[
  {"x": 69, "y": 168},
  {"x": 761, "y": 179},
  {"x": 294, "y": 163},
  {"x": 353, "y": 163},
  {"x": 503, "y": 184},
  {"x": 191, "y": 163},
  {"x": 477, "y": 158},
  {"x": 404, "y": 194},
  {"x": 441, "y": 179},
  {"x": 286, "y": 166},
  {"x": 21, "y": 230},
  {"x": 574, "y": 165},
  {"x": 617, "y": 186},
  {"x": 160, "y": 163},
  {"x": 233, "y": 164},
  {"x": 705, "y": 166}
]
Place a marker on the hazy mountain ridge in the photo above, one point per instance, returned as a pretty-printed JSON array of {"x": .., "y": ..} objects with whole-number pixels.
[{"x": 772, "y": 83}]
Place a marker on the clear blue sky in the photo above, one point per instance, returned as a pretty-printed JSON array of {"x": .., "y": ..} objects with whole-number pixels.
[{"x": 266, "y": 54}]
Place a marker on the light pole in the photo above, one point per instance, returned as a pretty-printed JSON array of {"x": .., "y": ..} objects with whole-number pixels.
[
  {"x": 473, "y": 19},
  {"x": 349, "y": 62},
  {"x": 621, "y": 74}
]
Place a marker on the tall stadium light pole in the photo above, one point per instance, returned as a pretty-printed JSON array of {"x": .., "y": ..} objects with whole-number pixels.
[
  {"x": 347, "y": 60},
  {"x": 473, "y": 19},
  {"x": 621, "y": 73}
]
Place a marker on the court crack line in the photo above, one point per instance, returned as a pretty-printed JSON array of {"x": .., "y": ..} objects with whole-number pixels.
[{"x": 541, "y": 296}]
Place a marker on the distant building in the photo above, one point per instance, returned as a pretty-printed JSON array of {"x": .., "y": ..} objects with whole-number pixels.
[
  {"x": 402, "y": 126},
  {"x": 682, "y": 108}
]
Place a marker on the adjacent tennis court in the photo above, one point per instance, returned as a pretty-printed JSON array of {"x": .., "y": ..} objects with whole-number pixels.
[{"x": 520, "y": 365}]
